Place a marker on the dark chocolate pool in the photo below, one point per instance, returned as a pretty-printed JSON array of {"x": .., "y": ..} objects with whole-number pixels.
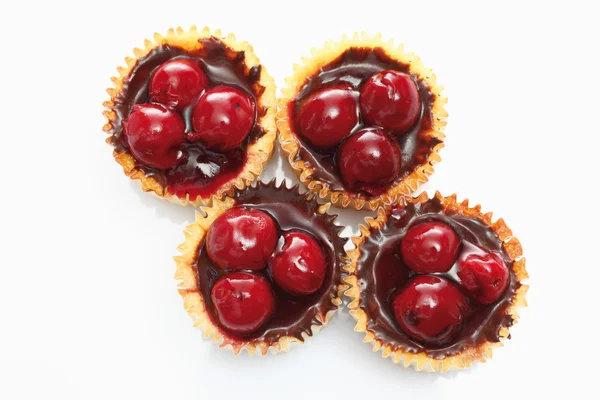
[
  {"x": 354, "y": 67},
  {"x": 294, "y": 315},
  {"x": 381, "y": 272},
  {"x": 201, "y": 171}
]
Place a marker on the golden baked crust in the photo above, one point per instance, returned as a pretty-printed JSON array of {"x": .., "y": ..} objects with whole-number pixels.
[
  {"x": 257, "y": 153},
  {"x": 193, "y": 301},
  {"x": 422, "y": 361},
  {"x": 289, "y": 142}
]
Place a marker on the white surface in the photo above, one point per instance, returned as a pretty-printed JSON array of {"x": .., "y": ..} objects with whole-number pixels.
[{"x": 88, "y": 306}]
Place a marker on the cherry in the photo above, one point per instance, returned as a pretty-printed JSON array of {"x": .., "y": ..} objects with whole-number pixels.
[
  {"x": 430, "y": 247},
  {"x": 177, "y": 83},
  {"x": 483, "y": 274},
  {"x": 242, "y": 238},
  {"x": 243, "y": 301},
  {"x": 430, "y": 309},
  {"x": 154, "y": 134},
  {"x": 298, "y": 266},
  {"x": 326, "y": 117},
  {"x": 222, "y": 118},
  {"x": 369, "y": 161},
  {"x": 390, "y": 99}
]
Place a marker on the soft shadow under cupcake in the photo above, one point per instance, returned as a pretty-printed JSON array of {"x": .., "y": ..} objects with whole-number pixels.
[{"x": 163, "y": 209}]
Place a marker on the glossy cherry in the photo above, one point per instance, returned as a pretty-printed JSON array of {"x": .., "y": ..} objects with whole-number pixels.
[
  {"x": 369, "y": 161},
  {"x": 299, "y": 265},
  {"x": 483, "y": 274},
  {"x": 242, "y": 238},
  {"x": 222, "y": 118},
  {"x": 390, "y": 99},
  {"x": 430, "y": 247},
  {"x": 326, "y": 117},
  {"x": 154, "y": 134},
  {"x": 243, "y": 301},
  {"x": 430, "y": 309},
  {"x": 177, "y": 83}
]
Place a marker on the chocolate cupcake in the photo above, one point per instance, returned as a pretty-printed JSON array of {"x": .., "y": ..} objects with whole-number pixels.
[
  {"x": 192, "y": 115},
  {"x": 361, "y": 122},
  {"x": 435, "y": 284},
  {"x": 262, "y": 269}
]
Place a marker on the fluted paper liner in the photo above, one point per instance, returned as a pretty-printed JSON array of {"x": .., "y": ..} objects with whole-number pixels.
[
  {"x": 289, "y": 142},
  {"x": 421, "y": 361},
  {"x": 193, "y": 301},
  {"x": 257, "y": 153}
]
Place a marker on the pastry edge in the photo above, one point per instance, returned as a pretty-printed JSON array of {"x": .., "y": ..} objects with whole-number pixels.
[
  {"x": 194, "y": 303},
  {"x": 258, "y": 153},
  {"x": 399, "y": 192},
  {"x": 421, "y": 361}
]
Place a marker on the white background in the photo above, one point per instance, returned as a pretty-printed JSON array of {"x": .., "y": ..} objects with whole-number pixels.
[{"x": 88, "y": 306}]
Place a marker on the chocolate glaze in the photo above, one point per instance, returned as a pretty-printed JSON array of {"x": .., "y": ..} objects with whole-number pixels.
[
  {"x": 200, "y": 171},
  {"x": 294, "y": 315},
  {"x": 381, "y": 272},
  {"x": 354, "y": 67}
]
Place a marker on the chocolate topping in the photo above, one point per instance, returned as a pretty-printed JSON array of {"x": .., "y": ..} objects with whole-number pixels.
[
  {"x": 381, "y": 272},
  {"x": 294, "y": 315},
  {"x": 354, "y": 67},
  {"x": 202, "y": 171}
]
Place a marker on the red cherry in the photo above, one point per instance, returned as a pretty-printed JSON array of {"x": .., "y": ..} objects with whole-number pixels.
[
  {"x": 154, "y": 134},
  {"x": 430, "y": 247},
  {"x": 369, "y": 161},
  {"x": 243, "y": 301},
  {"x": 177, "y": 83},
  {"x": 299, "y": 266},
  {"x": 222, "y": 118},
  {"x": 390, "y": 99},
  {"x": 430, "y": 309},
  {"x": 484, "y": 275},
  {"x": 242, "y": 238},
  {"x": 326, "y": 117}
]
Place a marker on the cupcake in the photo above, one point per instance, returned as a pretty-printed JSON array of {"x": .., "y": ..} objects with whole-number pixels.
[
  {"x": 262, "y": 269},
  {"x": 360, "y": 122},
  {"x": 435, "y": 284},
  {"x": 192, "y": 115}
]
